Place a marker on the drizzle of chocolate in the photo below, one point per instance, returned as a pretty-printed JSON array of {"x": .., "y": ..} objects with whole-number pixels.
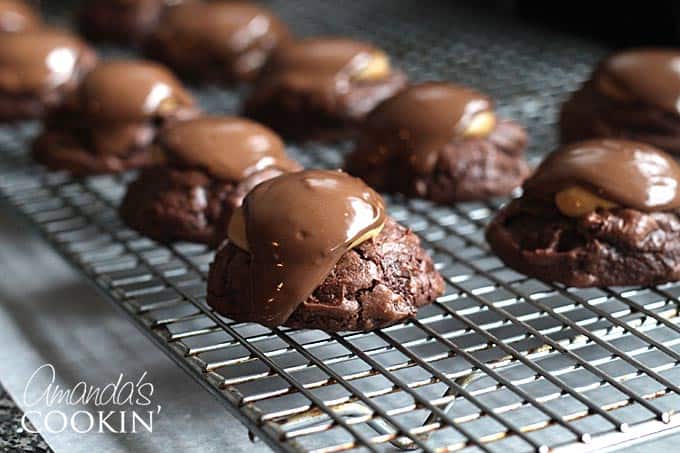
[
  {"x": 420, "y": 120},
  {"x": 17, "y": 15},
  {"x": 131, "y": 90},
  {"x": 630, "y": 174},
  {"x": 39, "y": 60},
  {"x": 239, "y": 31},
  {"x": 298, "y": 226},
  {"x": 319, "y": 64},
  {"x": 650, "y": 76},
  {"x": 228, "y": 148}
]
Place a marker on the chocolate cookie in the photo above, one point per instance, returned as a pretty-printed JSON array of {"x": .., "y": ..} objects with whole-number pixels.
[
  {"x": 17, "y": 15},
  {"x": 211, "y": 164},
  {"x": 439, "y": 141},
  {"x": 112, "y": 119},
  {"x": 633, "y": 95},
  {"x": 321, "y": 88},
  {"x": 38, "y": 69},
  {"x": 595, "y": 213},
  {"x": 120, "y": 21},
  {"x": 217, "y": 41},
  {"x": 315, "y": 249}
]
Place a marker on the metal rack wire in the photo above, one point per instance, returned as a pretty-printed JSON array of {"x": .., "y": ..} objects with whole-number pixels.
[{"x": 500, "y": 362}]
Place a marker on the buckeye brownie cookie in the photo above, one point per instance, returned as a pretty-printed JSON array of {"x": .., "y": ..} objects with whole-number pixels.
[
  {"x": 321, "y": 88},
  {"x": 120, "y": 21},
  {"x": 442, "y": 142},
  {"x": 17, "y": 15},
  {"x": 595, "y": 213},
  {"x": 112, "y": 119},
  {"x": 38, "y": 70},
  {"x": 211, "y": 163},
  {"x": 217, "y": 41},
  {"x": 315, "y": 249},
  {"x": 633, "y": 95}
]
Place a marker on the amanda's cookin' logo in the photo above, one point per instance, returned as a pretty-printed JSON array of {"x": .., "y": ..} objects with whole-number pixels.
[{"x": 123, "y": 406}]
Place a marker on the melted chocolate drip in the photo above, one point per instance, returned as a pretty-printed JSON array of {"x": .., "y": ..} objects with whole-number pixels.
[
  {"x": 298, "y": 226},
  {"x": 16, "y": 15},
  {"x": 232, "y": 30},
  {"x": 39, "y": 60},
  {"x": 650, "y": 76},
  {"x": 420, "y": 120},
  {"x": 229, "y": 148},
  {"x": 631, "y": 174},
  {"x": 129, "y": 90},
  {"x": 319, "y": 64}
]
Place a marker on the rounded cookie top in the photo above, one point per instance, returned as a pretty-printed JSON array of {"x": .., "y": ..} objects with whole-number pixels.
[
  {"x": 327, "y": 63},
  {"x": 234, "y": 30},
  {"x": 421, "y": 119},
  {"x": 606, "y": 172},
  {"x": 131, "y": 90},
  {"x": 40, "y": 60},
  {"x": 17, "y": 15},
  {"x": 229, "y": 148},
  {"x": 650, "y": 76},
  {"x": 296, "y": 227}
]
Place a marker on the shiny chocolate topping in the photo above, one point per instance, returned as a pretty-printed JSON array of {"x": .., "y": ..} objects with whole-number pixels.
[
  {"x": 298, "y": 226},
  {"x": 227, "y": 147},
  {"x": 16, "y": 15},
  {"x": 132, "y": 90},
  {"x": 230, "y": 29},
  {"x": 650, "y": 76},
  {"x": 421, "y": 119},
  {"x": 39, "y": 60},
  {"x": 630, "y": 174},
  {"x": 320, "y": 64}
]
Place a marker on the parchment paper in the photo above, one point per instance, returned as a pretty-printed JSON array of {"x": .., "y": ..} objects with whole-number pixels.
[{"x": 49, "y": 314}]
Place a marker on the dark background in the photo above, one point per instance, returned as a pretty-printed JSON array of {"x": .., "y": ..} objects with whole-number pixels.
[{"x": 618, "y": 23}]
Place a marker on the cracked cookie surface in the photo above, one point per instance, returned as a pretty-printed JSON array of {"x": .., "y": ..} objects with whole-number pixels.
[
  {"x": 378, "y": 283},
  {"x": 465, "y": 170},
  {"x": 608, "y": 247}
]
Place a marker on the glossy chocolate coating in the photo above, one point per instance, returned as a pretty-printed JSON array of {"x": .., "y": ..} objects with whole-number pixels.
[
  {"x": 131, "y": 90},
  {"x": 320, "y": 64},
  {"x": 421, "y": 119},
  {"x": 37, "y": 61},
  {"x": 16, "y": 15},
  {"x": 630, "y": 174},
  {"x": 238, "y": 34},
  {"x": 229, "y": 148},
  {"x": 650, "y": 76},
  {"x": 298, "y": 226}
]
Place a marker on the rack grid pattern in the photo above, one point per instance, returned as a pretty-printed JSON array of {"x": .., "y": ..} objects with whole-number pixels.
[{"x": 501, "y": 362}]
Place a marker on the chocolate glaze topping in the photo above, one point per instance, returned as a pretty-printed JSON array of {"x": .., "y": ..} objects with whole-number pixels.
[
  {"x": 631, "y": 174},
  {"x": 129, "y": 90},
  {"x": 421, "y": 119},
  {"x": 320, "y": 64},
  {"x": 229, "y": 148},
  {"x": 39, "y": 60},
  {"x": 244, "y": 31},
  {"x": 298, "y": 226},
  {"x": 16, "y": 15},
  {"x": 651, "y": 76}
]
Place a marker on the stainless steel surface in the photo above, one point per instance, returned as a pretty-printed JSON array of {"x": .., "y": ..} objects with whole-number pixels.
[{"x": 500, "y": 362}]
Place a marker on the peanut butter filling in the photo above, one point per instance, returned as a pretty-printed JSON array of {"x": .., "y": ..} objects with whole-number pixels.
[
  {"x": 606, "y": 173},
  {"x": 577, "y": 202},
  {"x": 480, "y": 125},
  {"x": 378, "y": 67}
]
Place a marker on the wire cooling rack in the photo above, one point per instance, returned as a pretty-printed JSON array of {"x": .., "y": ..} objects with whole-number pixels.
[{"x": 500, "y": 363}]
